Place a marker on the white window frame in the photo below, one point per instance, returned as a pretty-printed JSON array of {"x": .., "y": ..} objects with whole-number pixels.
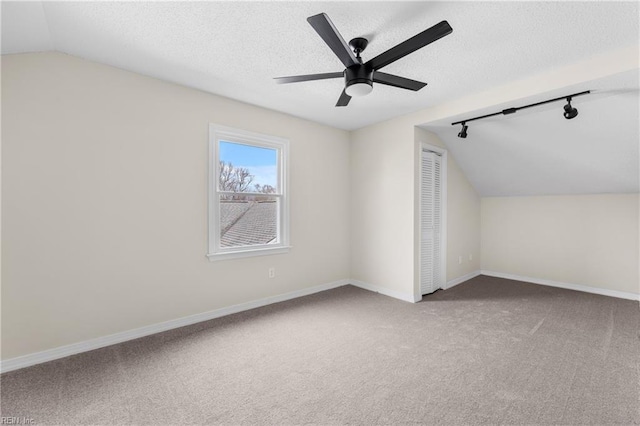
[{"x": 219, "y": 133}]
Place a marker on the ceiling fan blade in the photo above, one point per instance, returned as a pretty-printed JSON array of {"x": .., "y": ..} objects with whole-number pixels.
[
  {"x": 395, "y": 81},
  {"x": 325, "y": 28},
  {"x": 411, "y": 45},
  {"x": 308, "y": 77},
  {"x": 343, "y": 100}
]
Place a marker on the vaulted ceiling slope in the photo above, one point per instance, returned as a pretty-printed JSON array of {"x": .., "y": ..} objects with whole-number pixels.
[
  {"x": 235, "y": 49},
  {"x": 537, "y": 151}
]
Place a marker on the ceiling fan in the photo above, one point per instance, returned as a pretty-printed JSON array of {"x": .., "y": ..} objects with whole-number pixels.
[{"x": 358, "y": 76}]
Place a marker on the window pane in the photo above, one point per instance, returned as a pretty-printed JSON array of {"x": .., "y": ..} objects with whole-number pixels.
[
  {"x": 247, "y": 220},
  {"x": 247, "y": 168}
]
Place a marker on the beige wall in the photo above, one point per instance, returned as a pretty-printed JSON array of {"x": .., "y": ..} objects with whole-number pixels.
[
  {"x": 589, "y": 240},
  {"x": 382, "y": 192},
  {"x": 104, "y": 181},
  {"x": 384, "y": 210},
  {"x": 382, "y": 214},
  {"x": 104, "y": 204},
  {"x": 463, "y": 215}
]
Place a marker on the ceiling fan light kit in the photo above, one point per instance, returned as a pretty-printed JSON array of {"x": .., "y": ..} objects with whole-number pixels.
[
  {"x": 569, "y": 111},
  {"x": 358, "y": 81},
  {"x": 359, "y": 76}
]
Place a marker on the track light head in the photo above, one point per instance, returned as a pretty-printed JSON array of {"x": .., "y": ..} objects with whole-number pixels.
[
  {"x": 463, "y": 132},
  {"x": 569, "y": 111}
]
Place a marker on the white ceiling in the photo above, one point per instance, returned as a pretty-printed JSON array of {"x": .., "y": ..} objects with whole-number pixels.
[{"x": 235, "y": 48}]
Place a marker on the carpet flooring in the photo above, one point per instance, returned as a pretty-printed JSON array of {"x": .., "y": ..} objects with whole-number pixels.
[{"x": 488, "y": 351}]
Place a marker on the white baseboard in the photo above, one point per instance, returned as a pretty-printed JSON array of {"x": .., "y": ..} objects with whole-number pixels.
[
  {"x": 461, "y": 279},
  {"x": 568, "y": 286},
  {"x": 100, "y": 342},
  {"x": 112, "y": 339},
  {"x": 391, "y": 293}
]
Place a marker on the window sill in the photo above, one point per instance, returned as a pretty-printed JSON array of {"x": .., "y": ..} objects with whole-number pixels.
[{"x": 213, "y": 257}]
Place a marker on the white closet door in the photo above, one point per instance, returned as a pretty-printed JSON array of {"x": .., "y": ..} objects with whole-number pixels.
[{"x": 431, "y": 223}]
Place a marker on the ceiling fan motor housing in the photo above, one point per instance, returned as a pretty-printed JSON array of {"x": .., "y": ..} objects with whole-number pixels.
[{"x": 358, "y": 75}]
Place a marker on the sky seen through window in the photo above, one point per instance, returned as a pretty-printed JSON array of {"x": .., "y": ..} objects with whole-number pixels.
[{"x": 260, "y": 162}]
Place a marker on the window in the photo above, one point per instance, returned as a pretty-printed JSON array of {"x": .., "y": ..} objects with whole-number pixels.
[{"x": 248, "y": 205}]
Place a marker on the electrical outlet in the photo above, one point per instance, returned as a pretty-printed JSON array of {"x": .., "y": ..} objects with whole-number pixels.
[
  {"x": 459, "y": 260},
  {"x": 470, "y": 257},
  {"x": 272, "y": 272}
]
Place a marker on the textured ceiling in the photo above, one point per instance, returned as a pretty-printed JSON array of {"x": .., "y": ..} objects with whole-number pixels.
[
  {"x": 538, "y": 152},
  {"x": 235, "y": 48}
]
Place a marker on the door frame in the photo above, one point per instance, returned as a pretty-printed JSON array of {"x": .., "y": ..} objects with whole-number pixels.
[{"x": 443, "y": 234}]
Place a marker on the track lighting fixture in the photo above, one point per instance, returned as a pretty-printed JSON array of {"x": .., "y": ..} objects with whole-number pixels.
[
  {"x": 463, "y": 132},
  {"x": 569, "y": 111}
]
